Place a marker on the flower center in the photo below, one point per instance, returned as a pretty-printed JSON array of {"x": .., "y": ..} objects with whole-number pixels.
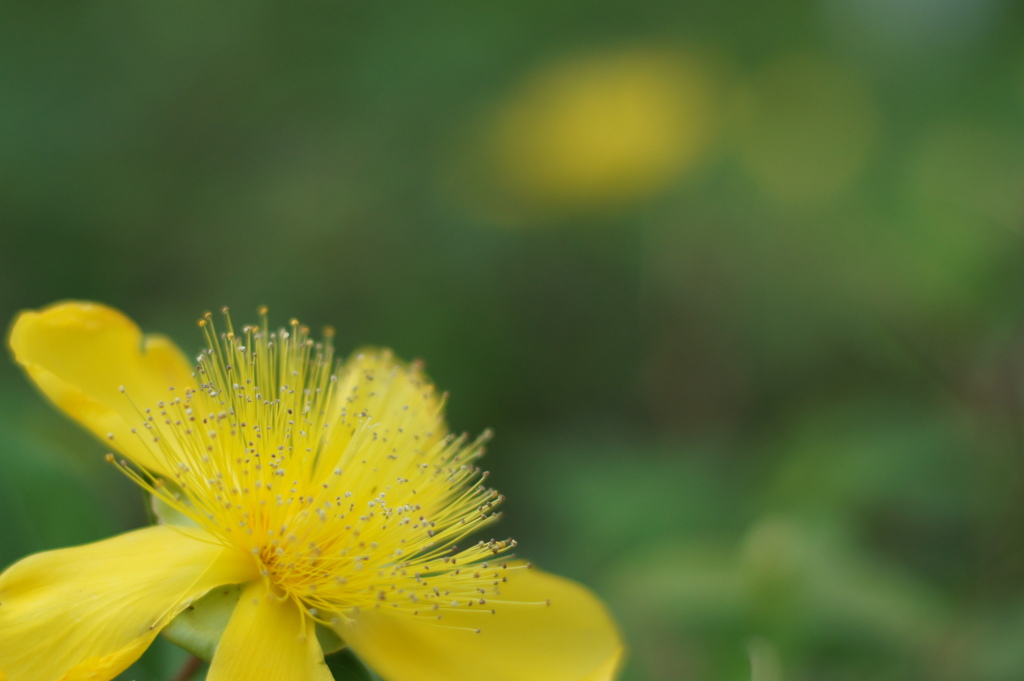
[{"x": 341, "y": 482}]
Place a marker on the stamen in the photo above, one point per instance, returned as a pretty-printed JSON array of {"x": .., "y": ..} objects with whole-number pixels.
[{"x": 340, "y": 481}]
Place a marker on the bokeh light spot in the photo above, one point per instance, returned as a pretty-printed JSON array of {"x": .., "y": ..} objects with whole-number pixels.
[{"x": 597, "y": 130}]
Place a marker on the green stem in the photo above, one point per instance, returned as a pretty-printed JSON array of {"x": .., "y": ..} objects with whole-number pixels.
[{"x": 188, "y": 670}]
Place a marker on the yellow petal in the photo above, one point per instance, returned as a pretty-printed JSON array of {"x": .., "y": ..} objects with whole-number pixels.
[
  {"x": 572, "y": 639},
  {"x": 268, "y": 638},
  {"x": 86, "y": 613},
  {"x": 80, "y": 354},
  {"x": 397, "y": 396}
]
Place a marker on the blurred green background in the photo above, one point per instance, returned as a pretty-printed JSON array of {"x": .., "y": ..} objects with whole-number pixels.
[{"x": 738, "y": 285}]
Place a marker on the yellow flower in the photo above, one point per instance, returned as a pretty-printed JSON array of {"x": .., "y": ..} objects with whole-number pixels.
[
  {"x": 333, "y": 494},
  {"x": 604, "y": 129}
]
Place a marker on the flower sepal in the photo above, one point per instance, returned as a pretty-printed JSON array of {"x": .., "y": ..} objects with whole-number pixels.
[
  {"x": 164, "y": 513},
  {"x": 345, "y": 666},
  {"x": 199, "y": 627}
]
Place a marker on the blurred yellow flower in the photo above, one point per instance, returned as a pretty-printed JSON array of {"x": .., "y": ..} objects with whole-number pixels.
[
  {"x": 603, "y": 129},
  {"x": 333, "y": 493}
]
